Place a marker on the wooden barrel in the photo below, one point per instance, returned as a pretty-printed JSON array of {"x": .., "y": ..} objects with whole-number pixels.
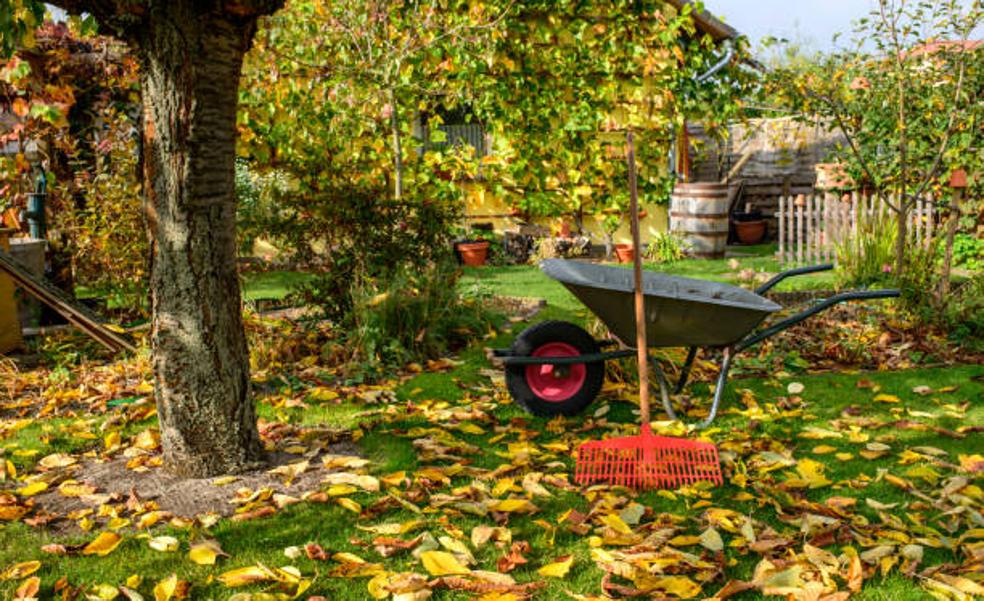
[{"x": 699, "y": 213}]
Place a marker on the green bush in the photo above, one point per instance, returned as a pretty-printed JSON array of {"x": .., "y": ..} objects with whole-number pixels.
[
  {"x": 413, "y": 314},
  {"x": 960, "y": 313},
  {"x": 968, "y": 252}
]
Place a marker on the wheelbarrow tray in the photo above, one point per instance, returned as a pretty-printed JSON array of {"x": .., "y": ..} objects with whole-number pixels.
[{"x": 679, "y": 311}]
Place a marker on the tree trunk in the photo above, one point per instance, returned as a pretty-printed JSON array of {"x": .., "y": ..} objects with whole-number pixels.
[
  {"x": 901, "y": 233},
  {"x": 397, "y": 146},
  {"x": 191, "y": 59}
]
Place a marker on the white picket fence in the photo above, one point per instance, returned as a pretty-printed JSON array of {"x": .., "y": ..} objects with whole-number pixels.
[{"x": 811, "y": 226}]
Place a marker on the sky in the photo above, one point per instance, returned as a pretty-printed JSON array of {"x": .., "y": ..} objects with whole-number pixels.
[{"x": 812, "y": 22}]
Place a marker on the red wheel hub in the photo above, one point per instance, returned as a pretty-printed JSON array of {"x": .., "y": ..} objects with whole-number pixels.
[{"x": 556, "y": 383}]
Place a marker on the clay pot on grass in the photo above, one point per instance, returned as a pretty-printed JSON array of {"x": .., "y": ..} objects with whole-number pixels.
[
  {"x": 473, "y": 254},
  {"x": 624, "y": 253},
  {"x": 749, "y": 227}
]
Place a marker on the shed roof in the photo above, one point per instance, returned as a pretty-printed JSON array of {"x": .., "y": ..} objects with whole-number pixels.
[{"x": 708, "y": 23}]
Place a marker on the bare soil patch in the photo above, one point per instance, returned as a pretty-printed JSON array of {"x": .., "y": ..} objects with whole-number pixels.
[{"x": 130, "y": 490}]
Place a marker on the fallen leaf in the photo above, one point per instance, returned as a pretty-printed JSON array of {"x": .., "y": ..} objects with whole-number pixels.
[
  {"x": 558, "y": 568},
  {"x": 441, "y": 563},
  {"x": 165, "y": 544},
  {"x": 20, "y": 570},
  {"x": 205, "y": 552},
  {"x": 102, "y": 545}
]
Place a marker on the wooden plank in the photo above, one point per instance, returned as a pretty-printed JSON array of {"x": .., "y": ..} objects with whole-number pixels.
[
  {"x": 799, "y": 229},
  {"x": 55, "y": 298},
  {"x": 782, "y": 231}
]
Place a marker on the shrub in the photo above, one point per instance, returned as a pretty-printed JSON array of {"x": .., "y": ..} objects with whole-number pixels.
[
  {"x": 260, "y": 199},
  {"x": 867, "y": 258},
  {"x": 968, "y": 252},
  {"x": 414, "y": 313},
  {"x": 665, "y": 247}
]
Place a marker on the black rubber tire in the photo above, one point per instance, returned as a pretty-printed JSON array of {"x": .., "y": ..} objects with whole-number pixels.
[{"x": 533, "y": 338}]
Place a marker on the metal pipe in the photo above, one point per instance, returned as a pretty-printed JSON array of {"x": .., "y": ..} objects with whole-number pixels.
[
  {"x": 729, "y": 53},
  {"x": 35, "y": 208}
]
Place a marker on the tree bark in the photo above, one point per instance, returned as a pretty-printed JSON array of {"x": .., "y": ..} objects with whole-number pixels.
[
  {"x": 397, "y": 146},
  {"x": 901, "y": 235},
  {"x": 191, "y": 58}
]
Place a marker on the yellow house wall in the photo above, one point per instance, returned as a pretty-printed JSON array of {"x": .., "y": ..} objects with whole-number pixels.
[{"x": 482, "y": 206}]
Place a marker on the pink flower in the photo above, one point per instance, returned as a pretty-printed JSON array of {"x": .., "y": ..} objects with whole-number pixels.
[{"x": 886, "y": 268}]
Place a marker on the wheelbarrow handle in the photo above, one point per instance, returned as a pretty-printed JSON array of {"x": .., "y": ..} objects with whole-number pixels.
[
  {"x": 790, "y": 273},
  {"x": 819, "y": 307}
]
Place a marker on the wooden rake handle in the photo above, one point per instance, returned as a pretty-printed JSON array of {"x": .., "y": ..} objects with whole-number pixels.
[{"x": 640, "y": 301}]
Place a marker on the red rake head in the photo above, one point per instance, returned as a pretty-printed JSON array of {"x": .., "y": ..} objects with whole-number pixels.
[{"x": 647, "y": 461}]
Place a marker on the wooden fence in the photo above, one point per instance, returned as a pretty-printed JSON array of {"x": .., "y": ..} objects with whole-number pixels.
[{"x": 812, "y": 226}]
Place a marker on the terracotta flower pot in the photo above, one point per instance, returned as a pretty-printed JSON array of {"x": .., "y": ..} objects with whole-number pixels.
[
  {"x": 750, "y": 232},
  {"x": 624, "y": 253},
  {"x": 473, "y": 254}
]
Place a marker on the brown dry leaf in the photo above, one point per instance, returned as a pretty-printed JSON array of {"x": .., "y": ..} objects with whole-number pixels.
[
  {"x": 315, "y": 552},
  {"x": 102, "y": 545},
  {"x": 28, "y": 590},
  {"x": 514, "y": 558}
]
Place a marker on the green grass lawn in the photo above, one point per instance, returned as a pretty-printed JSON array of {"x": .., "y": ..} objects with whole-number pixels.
[
  {"x": 839, "y": 414},
  {"x": 521, "y": 280}
]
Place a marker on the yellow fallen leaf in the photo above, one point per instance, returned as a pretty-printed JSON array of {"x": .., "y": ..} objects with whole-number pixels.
[
  {"x": 349, "y": 504},
  {"x": 20, "y": 570},
  {"x": 823, "y": 449},
  {"x": 164, "y": 544},
  {"x": 32, "y": 489},
  {"x": 148, "y": 440},
  {"x": 28, "y": 589},
  {"x": 73, "y": 488},
  {"x": 9, "y": 513},
  {"x": 247, "y": 575},
  {"x": 678, "y": 586},
  {"x": 341, "y": 490},
  {"x": 844, "y": 456},
  {"x": 103, "y": 545},
  {"x": 112, "y": 440},
  {"x": 684, "y": 540},
  {"x": 441, "y": 563},
  {"x": 165, "y": 589},
  {"x": 56, "y": 460},
  {"x": 811, "y": 473},
  {"x": 558, "y": 568},
  {"x": 205, "y": 552},
  {"x": 886, "y": 398},
  {"x": 513, "y": 506},
  {"x": 616, "y": 523}
]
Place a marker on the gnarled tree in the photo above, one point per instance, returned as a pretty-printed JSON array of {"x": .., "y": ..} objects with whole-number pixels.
[{"x": 191, "y": 54}]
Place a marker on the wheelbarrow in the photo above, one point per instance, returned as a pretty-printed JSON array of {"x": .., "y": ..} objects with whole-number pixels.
[{"x": 557, "y": 368}]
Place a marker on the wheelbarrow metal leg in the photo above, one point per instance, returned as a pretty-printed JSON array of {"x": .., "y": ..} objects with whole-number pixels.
[
  {"x": 722, "y": 381},
  {"x": 664, "y": 388},
  {"x": 685, "y": 370}
]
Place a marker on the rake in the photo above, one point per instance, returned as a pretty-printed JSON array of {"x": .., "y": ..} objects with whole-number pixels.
[{"x": 646, "y": 460}]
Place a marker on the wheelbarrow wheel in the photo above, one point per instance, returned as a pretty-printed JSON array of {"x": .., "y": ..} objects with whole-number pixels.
[{"x": 549, "y": 390}]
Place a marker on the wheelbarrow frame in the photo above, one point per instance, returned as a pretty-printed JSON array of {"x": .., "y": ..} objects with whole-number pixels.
[{"x": 510, "y": 358}]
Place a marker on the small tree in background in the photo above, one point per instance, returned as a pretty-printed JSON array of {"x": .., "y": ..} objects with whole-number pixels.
[{"x": 907, "y": 98}]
